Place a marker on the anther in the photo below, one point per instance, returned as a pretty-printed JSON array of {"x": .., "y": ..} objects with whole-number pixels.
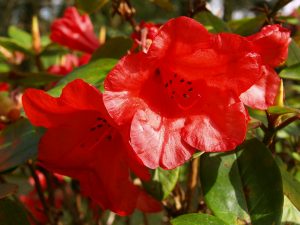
[
  {"x": 189, "y": 83},
  {"x": 170, "y": 81},
  {"x": 166, "y": 85},
  {"x": 182, "y": 80},
  {"x": 109, "y": 137},
  {"x": 157, "y": 71},
  {"x": 99, "y": 125},
  {"x": 175, "y": 75},
  {"x": 93, "y": 129},
  {"x": 185, "y": 96},
  {"x": 191, "y": 89}
]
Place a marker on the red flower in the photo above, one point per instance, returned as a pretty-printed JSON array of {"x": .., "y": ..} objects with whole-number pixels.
[
  {"x": 82, "y": 143},
  {"x": 272, "y": 44},
  {"x": 184, "y": 93},
  {"x": 68, "y": 63},
  {"x": 75, "y": 31}
]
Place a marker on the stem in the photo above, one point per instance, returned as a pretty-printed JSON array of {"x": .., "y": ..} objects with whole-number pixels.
[
  {"x": 287, "y": 122},
  {"x": 40, "y": 191},
  {"x": 145, "y": 219},
  {"x": 192, "y": 184}
]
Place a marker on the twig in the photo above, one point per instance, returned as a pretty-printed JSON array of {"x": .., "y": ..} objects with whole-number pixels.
[
  {"x": 192, "y": 184},
  {"x": 40, "y": 192},
  {"x": 287, "y": 122}
]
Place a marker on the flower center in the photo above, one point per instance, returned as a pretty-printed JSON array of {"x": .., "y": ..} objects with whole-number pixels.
[
  {"x": 179, "y": 89},
  {"x": 99, "y": 131}
]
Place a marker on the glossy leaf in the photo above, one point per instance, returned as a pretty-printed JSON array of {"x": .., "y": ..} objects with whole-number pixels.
[
  {"x": 291, "y": 187},
  {"x": 93, "y": 73},
  {"x": 12, "y": 213},
  {"x": 197, "y": 219},
  {"x": 113, "y": 48},
  {"x": 13, "y": 45},
  {"x": 212, "y": 22},
  {"x": 244, "y": 186},
  {"x": 162, "y": 183},
  {"x": 7, "y": 189},
  {"x": 90, "y": 6},
  {"x": 293, "y": 54},
  {"x": 18, "y": 143},
  {"x": 20, "y": 36},
  {"x": 292, "y": 73}
]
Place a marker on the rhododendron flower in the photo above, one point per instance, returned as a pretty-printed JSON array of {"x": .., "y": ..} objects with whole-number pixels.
[
  {"x": 145, "y": 35},
  {"x": 183, "y": 94},
  {"x": 82, "y": 142},
  {"x": 272, "y": 44},
  {"x": 68, "y": 63},
  {"x": 74, "y": 31}
]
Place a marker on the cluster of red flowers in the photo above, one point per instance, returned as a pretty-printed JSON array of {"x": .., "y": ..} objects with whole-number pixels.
[{"x": 186, "y": 92}]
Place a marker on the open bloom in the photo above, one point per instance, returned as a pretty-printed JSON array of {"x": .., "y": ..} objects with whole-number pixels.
[
  {"x": 184, "y": 93},
  {"x": 271, "y": 43},
  {"x": 68, "y": 63},
  {"x": 74, "y": 31},
  {"x": 81, "y": 142}
]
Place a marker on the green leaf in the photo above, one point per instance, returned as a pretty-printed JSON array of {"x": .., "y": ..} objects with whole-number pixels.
[
  {"x": 12, "y": 213},
  {"x": 291, "y": 187},
  {"x": 248, "y": 26},
  {"x": 292, "y": 72},
  {"x": 162, "y": 183},
  {"x": 293, "y": 54},
  {"x": 212, "y": 22},
  {"x": 280, "y": 110},
  {"x": 113, "y": 48},
  {"x": 7, "y": 189},
  {"x": 290, "y": 215},
  {"x": 197, "y": 219},
  {"x": 93, "y": 73},
  {"x": 19, "y": 143},
  {"x": 90, "y": 6},
  {"x": 29, "y": 79},
  {"x": 13, "y": 45},
  {"x": 244, "y": 186},
  {"x": 20, "y": 36}
]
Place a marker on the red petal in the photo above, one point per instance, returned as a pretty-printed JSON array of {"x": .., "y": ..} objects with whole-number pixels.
[
  {"x": 157, "y": 141},
  {"x": 146, "y": 203},
  {"x": 262, "y": 94},
  {"x": 220, "y": 129},
  {"x": 272, "y": 44},
  {"x": 44, "y": 110},
  {"x": 73, "y": 142},
  {"x": 122, "y": 86},
  {"x": 224, "y": 60}
]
